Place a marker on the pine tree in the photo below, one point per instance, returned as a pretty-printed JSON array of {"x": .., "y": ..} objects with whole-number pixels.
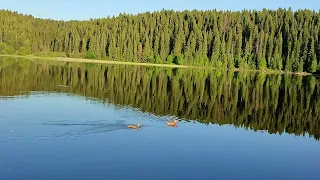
[
  {"x": 312, "y": 65},
  {"x": 216, "y": 48}
]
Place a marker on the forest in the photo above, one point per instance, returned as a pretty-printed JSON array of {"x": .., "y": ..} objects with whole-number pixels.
[
  {"x": 269, "y": 102},
  {"x": 280, "y": 39}
]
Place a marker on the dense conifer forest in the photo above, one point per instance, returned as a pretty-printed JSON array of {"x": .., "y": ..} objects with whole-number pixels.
[{"x": 268, "y": 39}]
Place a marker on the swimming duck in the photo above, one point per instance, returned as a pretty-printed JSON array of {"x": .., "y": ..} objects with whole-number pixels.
[
  {"x": 134, "y": 126},
  {"x": 172, "y": 123}
]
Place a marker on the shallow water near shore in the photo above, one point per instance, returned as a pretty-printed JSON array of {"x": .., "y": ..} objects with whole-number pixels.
[{"x": 69, "y": 121}]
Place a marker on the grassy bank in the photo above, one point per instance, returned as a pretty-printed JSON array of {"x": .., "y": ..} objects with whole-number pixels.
[
  {"x": 81, "y": 60},
  {"x": 66, "y": 59}
]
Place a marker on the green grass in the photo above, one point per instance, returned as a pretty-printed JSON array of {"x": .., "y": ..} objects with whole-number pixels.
[{"x": 62, "y": 58}]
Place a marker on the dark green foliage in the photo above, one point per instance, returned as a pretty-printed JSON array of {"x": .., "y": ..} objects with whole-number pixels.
[
  {"x": 312, "y": 58},
  {"x": 158, "y": 59},
  {"x": 268, "y": 39},
  {"x": 170, "y": 59},
  {"x": 6, "y": 49},
  {"x": 262, "y": 63},
  {"x": 91, "y": 55},
  {"x": 179, "y": 60}
]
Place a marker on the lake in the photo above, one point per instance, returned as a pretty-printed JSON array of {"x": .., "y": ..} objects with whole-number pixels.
[{"x": 61, "y": 120}]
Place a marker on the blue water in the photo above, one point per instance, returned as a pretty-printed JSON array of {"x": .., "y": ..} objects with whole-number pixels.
[{"x": 63, "y": 136}]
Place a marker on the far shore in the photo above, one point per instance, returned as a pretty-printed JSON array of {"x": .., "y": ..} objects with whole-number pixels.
[{"x": 97, "y": 61}]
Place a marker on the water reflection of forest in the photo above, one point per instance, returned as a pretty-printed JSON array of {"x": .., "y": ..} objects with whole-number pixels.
[{"x": 276, "y": 103}]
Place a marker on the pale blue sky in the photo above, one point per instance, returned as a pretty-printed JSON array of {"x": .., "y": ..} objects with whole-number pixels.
[{"x": 86, "y": 9}]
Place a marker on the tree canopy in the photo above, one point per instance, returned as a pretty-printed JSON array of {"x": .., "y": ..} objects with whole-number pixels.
[{"x": 268, "y": 39}]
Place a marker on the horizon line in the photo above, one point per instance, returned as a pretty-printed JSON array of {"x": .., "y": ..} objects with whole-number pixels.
[{"x": 160, "y": 10}]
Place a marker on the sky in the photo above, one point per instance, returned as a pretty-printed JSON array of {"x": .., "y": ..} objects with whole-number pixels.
[{"x": 86, "y": 9}]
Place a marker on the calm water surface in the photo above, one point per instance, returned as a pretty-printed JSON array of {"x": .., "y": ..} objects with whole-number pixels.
[{"x": 68, "y": 121}]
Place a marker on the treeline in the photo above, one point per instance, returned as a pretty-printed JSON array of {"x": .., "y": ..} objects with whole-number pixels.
[
  {"x": 274, "y": 39},
  {"x": 275, "y": 103}
]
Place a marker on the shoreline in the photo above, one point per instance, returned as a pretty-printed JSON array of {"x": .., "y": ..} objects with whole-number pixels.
[{"x": 97, "y": 61}]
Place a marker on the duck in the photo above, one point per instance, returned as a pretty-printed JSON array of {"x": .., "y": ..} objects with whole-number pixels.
[
  {"x": 172, "y": 123},
  {"x": 134, "y": 126}
]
